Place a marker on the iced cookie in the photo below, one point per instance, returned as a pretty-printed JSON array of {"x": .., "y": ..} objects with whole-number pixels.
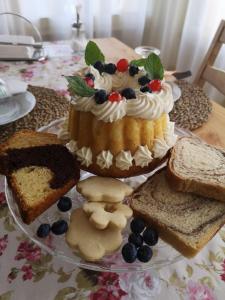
[
  {"x": 102, "y": 214},
  {"x": 91, "y": 242},
  {"x": 103, "y": 189}
]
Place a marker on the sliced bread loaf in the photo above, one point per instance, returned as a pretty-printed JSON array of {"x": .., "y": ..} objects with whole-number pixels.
[
  {"x": 39, "y": 171},
  {"x": 186, "y": 221},
  {"x": 197, "y": 167}
]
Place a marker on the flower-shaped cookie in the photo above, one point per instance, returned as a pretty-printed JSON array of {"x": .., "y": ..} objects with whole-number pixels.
[
  {"x": 102, "y": 214},
  {"x": 103, "y": 189},
  {"x": 92, "y": 243}
]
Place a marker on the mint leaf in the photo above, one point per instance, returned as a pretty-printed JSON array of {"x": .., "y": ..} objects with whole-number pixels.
[
  {"x": 154, "y": 67},
  {"x": 93, "y": 54},
  {"x": 138, "y": 62},
  {"x": 79, "y": 87}
]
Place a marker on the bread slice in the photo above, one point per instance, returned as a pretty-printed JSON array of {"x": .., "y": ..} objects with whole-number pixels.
[
  {"x": 39, "y": 171},
  {"x": 197, "y": 167},
  {"x": 186, "y": 221}
]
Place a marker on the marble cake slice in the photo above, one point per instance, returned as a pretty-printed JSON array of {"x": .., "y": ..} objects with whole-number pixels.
[
  {"x": 184, "y": 220},
  {"x": 39, "y": 171}
]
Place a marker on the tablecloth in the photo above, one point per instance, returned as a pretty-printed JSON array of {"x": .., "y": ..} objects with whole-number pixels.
[{"x": 27, "y": 272}]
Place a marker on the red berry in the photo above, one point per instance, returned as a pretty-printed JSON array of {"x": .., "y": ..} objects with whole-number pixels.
[
  {"x": 114, "y": 97},
  {"x": 122, "y": 65},
  {"x": 155, "y": 85},
  {"x": 89, "y": 81}
]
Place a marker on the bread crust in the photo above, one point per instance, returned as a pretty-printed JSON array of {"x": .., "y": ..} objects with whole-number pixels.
[
  {"x": 169, "y": 236},
  {"x": 182, "y": 184},
  {"x": 28, "y": 214}
]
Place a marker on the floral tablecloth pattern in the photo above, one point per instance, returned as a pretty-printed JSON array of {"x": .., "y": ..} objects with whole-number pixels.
[{"x": 27, "y": 272}]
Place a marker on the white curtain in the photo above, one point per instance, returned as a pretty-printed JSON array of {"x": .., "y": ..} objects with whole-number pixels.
[{"x": 181, "y": 29}]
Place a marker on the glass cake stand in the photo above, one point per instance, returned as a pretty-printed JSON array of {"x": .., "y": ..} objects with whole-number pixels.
[{"x": 163, "y": 254}]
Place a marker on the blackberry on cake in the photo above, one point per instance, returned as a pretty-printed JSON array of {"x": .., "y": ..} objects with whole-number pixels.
[
  {"x": 110, "y": 68},
  {"x": 128, "y": 93},
  {"x": 143, "y": 80}
]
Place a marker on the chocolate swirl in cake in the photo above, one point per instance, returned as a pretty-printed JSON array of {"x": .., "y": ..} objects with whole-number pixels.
[
  {"x": 57, "y": 158},
  {"x": 187, "y": 214}
]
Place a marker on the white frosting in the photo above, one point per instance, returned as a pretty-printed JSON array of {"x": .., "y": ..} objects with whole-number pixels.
[
  {"x": 84, "y": 155},
  {"x": 145, "y": 106},
  {"x": 124, "y": 160},
  {"x": 160, "y": 148},
  {"x": 102, "y": 81},
  {"x": 110, "y": 111},
  {"x": 72, "y": 146},
  {"x": 148, "y": 106},
  {"x": 83, "y": 103},
  {"x": 104, "y": 159},
  {"x": 63, "y": 133},
  {"x": 142, "y": 156},
  {"x": 169, "y": 135}
]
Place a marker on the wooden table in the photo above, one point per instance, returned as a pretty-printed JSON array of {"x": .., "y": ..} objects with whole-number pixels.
[{"x": 213, "y": 131}]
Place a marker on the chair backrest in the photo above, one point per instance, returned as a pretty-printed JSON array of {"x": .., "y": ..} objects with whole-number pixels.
[{"x": 207, "y": 72}]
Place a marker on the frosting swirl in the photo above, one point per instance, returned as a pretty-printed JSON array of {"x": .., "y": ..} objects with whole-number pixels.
[
  {"x": 72, "y": 146},
  {"x": 110, "y": 111},
  {"x": 145, "y": 106},
  {"x": 102, "y": 81},
  {"x": 124, "y": 160},
  {"x": 142, "y": 156},
  {"x": 83, "y": 103},
  {"x": 169, "y": 134},
  {"x": 84, "y": 155},
  {"x": 160, "y": 148},
  {"x": 104, "y": 159}
]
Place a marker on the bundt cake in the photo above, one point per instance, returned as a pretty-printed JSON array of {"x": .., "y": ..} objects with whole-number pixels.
[{"x": 118, "y": 123}]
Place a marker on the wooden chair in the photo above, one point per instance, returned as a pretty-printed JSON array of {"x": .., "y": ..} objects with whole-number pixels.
[{"x": 207, "y": 72}]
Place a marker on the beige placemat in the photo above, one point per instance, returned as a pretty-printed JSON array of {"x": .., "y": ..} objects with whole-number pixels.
[
  {"x": 190, "y": 111},
  {"x": 193, "y": 107},
  {"x": 49, "y": 106}
]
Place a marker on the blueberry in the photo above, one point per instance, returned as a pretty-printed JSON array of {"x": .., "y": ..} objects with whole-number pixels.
[
  {"x": 135, "y": 239},
  {"x": 100, "y": 96},
  {"x": 89, "y": 75},
  {"x": 59, "y": 227},
  {"x": 133, "y": 70},
  {"x": 150, "y": 236},
  {"x": 64, "y": 204},
  {"x": 110, "y": 68},
  {"x": 129, "y": 252},
  {"x": 145, "y": 89},
  {"x": 43, "y": 230},
  {"x": 99, "y": 66},
  {"x": 143, "y": 80},
  {"x": 144, "y": 253},
  {"x": 137, "y": 225},
  {"x": 128, "y": 93}
]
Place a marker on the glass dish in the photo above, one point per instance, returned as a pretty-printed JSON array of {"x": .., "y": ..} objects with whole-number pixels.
[
  {"x": 144, "y": 51},
  {"x": 163, "y": 254}
]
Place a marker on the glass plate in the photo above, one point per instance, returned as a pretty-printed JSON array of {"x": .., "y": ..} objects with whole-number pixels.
[{"x": 163, "y": 254}]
